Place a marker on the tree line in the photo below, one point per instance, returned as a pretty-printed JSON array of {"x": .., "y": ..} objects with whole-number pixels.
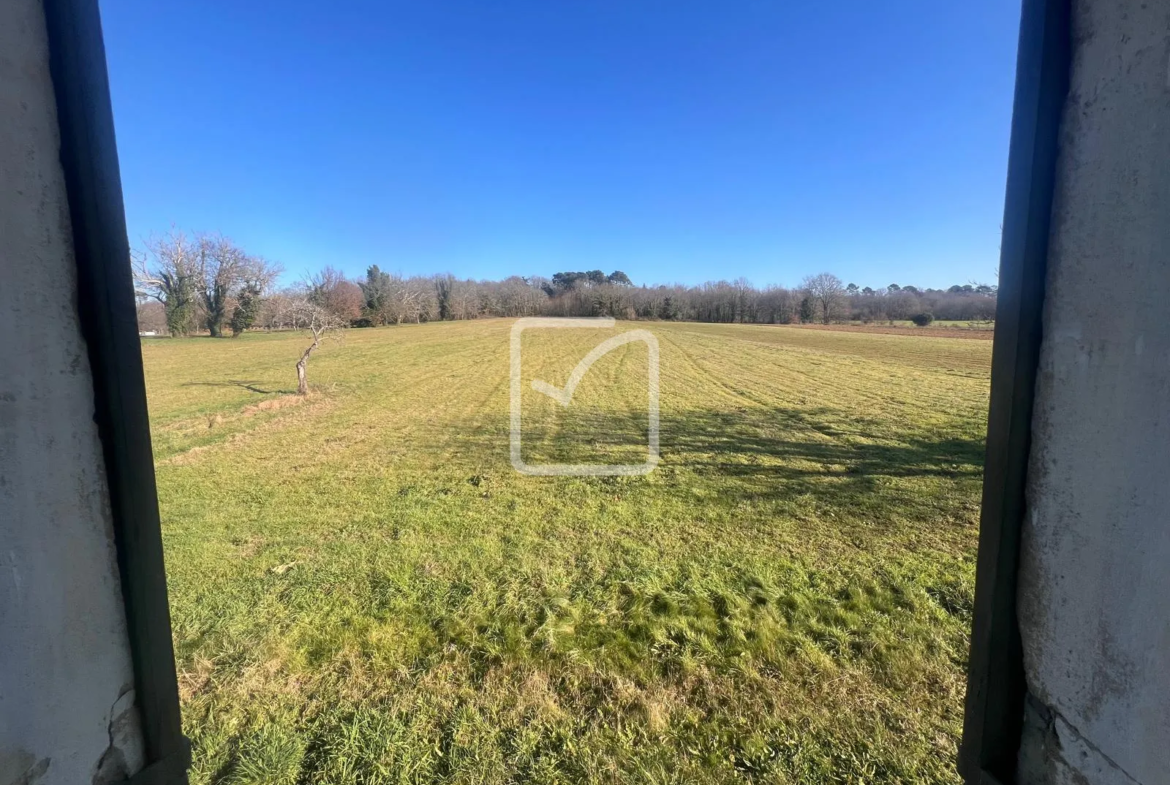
[{"x": 206, "y": 283}]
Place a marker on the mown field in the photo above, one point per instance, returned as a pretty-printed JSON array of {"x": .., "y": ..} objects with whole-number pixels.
[{"x": 363, "y": 590}]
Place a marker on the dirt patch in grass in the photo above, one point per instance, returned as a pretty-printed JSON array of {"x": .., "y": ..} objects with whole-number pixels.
[
  {"x": 188, "y": 443},
  {"x": 273, "y": 404}
]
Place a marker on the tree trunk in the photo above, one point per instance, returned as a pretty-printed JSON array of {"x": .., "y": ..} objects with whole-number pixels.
[
  {"x": 302, "y": 365},
  {"x": 302, "y": 380}
]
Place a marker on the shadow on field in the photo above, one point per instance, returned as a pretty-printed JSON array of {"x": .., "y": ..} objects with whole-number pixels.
[
  {"x": 751, "y": 442},
  {"x": 249, "y": 386},
  {"x": 848, "y": 464},
  {"x": 764, "y": 451}
]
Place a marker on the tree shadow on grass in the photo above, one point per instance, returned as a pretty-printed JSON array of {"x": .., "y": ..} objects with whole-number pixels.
[
  {"x": 782, "y": 453},
  {"x": 246, "y": 385},
  {"x": 762, "y": 452},
  {"x": 779, "y": 441}
]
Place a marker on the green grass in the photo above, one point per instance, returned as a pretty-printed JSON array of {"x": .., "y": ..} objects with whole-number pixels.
[{"x": 364, "y": 591}]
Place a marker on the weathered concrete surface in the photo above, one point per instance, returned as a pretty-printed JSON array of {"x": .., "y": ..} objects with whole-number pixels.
[
  {"x": 67, "y": 712},
  {"x": 1095, "y": 569}
]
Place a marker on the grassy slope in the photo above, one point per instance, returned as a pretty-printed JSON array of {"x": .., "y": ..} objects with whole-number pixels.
[{"x": 363, "y": 590}]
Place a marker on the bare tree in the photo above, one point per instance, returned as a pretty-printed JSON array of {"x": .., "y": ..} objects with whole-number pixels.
[
  {"x": 224, "y": 268},
  {"x": 776, "y": 305},
  {"x": 168, "y": 270},
  {"x": 151, "y": 317},
  {"x": 392, "y": 299},
  {"x": 319, "y": 322},
  {"x": 416, "y": 299},
  {"x": 827, "y": 291},
  {"x": 276, "y": 310},
  {"x": 514, "y": 297},
  {"x": 745, "y": 300},
  {"x": 331, "y": 290},
  {"x": 198, "y": 276},
  {"x": 465, "y": 300}
]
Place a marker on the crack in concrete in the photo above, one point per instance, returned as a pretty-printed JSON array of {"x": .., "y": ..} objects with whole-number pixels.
[
  {"x": 1061, "y": 729},
  {"x": 120, "y": 759}
]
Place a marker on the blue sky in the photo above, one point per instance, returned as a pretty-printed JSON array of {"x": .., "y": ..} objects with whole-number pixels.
[{"x": 679, "y": 142}]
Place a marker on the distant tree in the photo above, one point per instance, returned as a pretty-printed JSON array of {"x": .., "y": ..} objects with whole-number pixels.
[
  {"x": 465, "y": 300},
  {"x": 168, "y": 270},
  {"x": 247, "y": 308},
  {"x": 223, "y": 269},
  {"x": 618, "y": 278},
  {"x": 444, "y": 285},
  {"x": 417, "y": 300},
  {"x": 330, "y": 289},
  {"x": 922, "y": 319},
  {"x": 775, "y": 305},
  {"x": 220, "y": 265},
  {"x": 894, "y": 287},
  {"x": 668, "y": 310},
  {"x": 276, "y": 309},
  {"x": 807, "y": 313},
  {"x": 851, "y": 289},
  {"x": 390, "y": 299},
  {"x": 375, "y": 294},
  {"x": 745, "y": 300},
  {"x": 826, "y": 290},
  {"x": 152, "y": 317},
  {"x": 564, "y": 282},
  {"x": 595, "y": 277}
]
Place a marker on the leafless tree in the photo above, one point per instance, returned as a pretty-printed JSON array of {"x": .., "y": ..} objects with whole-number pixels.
[
  {"x": 198, "y": 277},
  {"x": 392, "y": 299},
  {"x": 417, "y": 301},
  {"x": 276, "y": 309},
  {"x": 514, "y": 296},
  {"x": 151, "y": 317},
  {"x": 224, "y": 268},
  {"x": 331, "y": 290},
  {"x": 465, "y": 300},
  {"x": 776, "y": 305},
  {"x": 827, "y": 291},
  {"x": 319, "y": 322},
  {"x": 169, "y": 271}
]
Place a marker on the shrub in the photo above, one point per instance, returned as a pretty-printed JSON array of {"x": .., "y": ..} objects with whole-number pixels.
[{"x": 922, "y": 319}]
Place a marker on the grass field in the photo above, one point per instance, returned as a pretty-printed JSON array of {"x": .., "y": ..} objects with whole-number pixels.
[{"x": 363, "y": 590}]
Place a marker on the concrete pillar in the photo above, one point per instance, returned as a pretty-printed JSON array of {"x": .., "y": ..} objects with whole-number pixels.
[
  {"x": 1094, "y": 590},
  {"x": 67, "y": 703}
]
